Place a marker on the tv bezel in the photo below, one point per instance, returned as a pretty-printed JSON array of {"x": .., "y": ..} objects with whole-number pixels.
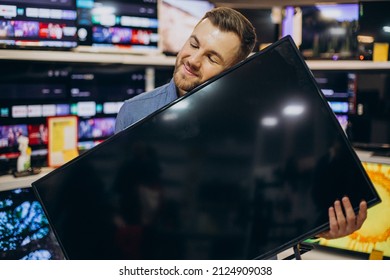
[{"x": 293, "y": 242}]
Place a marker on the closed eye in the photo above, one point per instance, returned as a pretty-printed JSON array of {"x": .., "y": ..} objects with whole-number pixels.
[
  {"x": 212, "y": 59},
  {"x": 195, "y": 46},
  {"x": 194, "y": 42}
]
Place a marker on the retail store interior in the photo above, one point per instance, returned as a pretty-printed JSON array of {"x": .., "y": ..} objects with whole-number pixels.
[{"x": 67, "y": 67}]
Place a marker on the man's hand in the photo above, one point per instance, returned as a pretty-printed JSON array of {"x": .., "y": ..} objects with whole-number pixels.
[{"x": 341, "y": 225}]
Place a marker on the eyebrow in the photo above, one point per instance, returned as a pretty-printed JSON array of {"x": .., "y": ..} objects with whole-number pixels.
[{"x": 217, "y": 54}]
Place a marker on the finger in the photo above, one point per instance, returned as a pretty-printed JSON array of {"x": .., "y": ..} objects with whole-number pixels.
[
  {"x": 350, "y": 214},
  {"x": 342, "y": 224},
  {"x": 333, "y": 224},
  {"x": 362, "y": 215}
]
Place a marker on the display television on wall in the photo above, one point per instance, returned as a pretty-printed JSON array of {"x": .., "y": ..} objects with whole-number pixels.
[
  {"x": 324, "y": 31},
  {"x": 242, "y": 167},
  {"x": 266, "y": 23},
  {"x": 369, "y": 125},
  {"x": 33, "y": 91},
  {"x": 339, "y": 89},
  {"x": 118, "y": 26},
  {"x": 24, "y": 229},
  {"x": 177, "y": 19},
  {"x": 374, "y": 20},
  {"x": 45, "y": 24},
  {"x": 374, "y": 27}
]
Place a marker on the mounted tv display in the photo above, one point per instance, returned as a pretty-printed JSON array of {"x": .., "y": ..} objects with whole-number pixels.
[
  {"x": 242, "y": 167},
  {"x": 266, "y": 25},
  {"x": 339, "y": 89},
  {"x": 374, "y": 20},
  {"x": 374, "y": 26},
  {"x": 45, "y": 24},
  {"x": 33, "y": 91},
  {"x": 177, "y": 19},
  {"x": 369, "y": 124},
  {"x": 326, "y": 31},
  {"x": 375, "y": 232},
  {"x": 119, "y": 25},
  {"x": 24, "y": 229}
]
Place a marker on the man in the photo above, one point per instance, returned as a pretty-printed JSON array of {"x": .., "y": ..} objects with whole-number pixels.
[{"x": 222, "y": 38}]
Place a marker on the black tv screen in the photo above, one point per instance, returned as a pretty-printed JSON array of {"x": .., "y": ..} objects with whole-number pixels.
[
  {"x": 24, "y": 229},
  {"x": 242, "y": 167},
  {"x": 177, "y": 19},
  {"x": 370, "y": 125},
  {"x": 329, "y": 31},
  {"x": 374, "y": 20},
  {"x": 118, "y": 25},
  {"x": 44, "y": 24},
  {"x": 374, "y": 27},
  {"x": 265, "y": 23}
]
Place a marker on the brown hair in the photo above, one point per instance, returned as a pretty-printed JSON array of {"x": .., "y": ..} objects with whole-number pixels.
[{"x": 230, "y": 20}]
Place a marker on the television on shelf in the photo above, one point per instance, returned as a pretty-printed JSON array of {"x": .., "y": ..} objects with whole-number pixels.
[
  {"x": 369, "y": 126},
  {"x": 374, "y": 236},
  {"x": 118, "y": 26},
  {"x": 374, "y": 21},
  {"x": 93, "y": 131},
  {"x": 24, "y": 229},
  {"x": 324, "y": 31},
  {"x": 339, "y": 89},
  {"x": 33, "y": 91},
  {"x": 266, "y": 24},
  {"x": 177, "y": 19},
  {"x": 244, "y": 166},
  {"x": 374, "y": 27},
  {"x": 9, "y": 139},
  {"x": 46, "y": 24}
]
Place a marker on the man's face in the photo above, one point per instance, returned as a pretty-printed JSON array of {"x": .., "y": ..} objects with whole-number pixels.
[{"x": 207, "y": 52}]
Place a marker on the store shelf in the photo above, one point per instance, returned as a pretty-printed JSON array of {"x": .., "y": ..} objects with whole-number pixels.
[
  {"x": 347, "y": 65},
  {"x": 9, "y": 182},
  {"x": 157, "y": 59},
  {"x": 89, "y": 57},
  {"x": 369, "y": 156}
]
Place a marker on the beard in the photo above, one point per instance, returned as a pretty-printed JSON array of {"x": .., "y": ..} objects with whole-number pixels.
[{"x": 182, "y": 82}]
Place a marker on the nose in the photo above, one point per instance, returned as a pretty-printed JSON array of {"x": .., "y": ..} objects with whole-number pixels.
[{"x": 195, "y": 60}]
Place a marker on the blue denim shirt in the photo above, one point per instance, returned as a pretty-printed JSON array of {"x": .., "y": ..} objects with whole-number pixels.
[{"x": 142, "y": 105}]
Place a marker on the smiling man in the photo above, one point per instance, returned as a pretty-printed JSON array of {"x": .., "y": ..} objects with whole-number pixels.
[
  {"x": 206, "y": 53},
  {"x": 222, "y": 38}
]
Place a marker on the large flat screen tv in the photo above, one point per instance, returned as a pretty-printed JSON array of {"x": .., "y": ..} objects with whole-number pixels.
[
  {"x": 265, "y": 23},
  {"x": 374, "y": 20},
  {"x": 177, "y": 19},
  {"x": 324, "y": 31},
  {"x": 44, "y": 24},
  {"x": 33, "y": 91},
  {"x": 118, "y": 26},
  {"x": 24, "y": 229},
  {"x": 374, "y": 27},
  {"x": 369, "y": 125},
  {"x": 242, "y": 167}
]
